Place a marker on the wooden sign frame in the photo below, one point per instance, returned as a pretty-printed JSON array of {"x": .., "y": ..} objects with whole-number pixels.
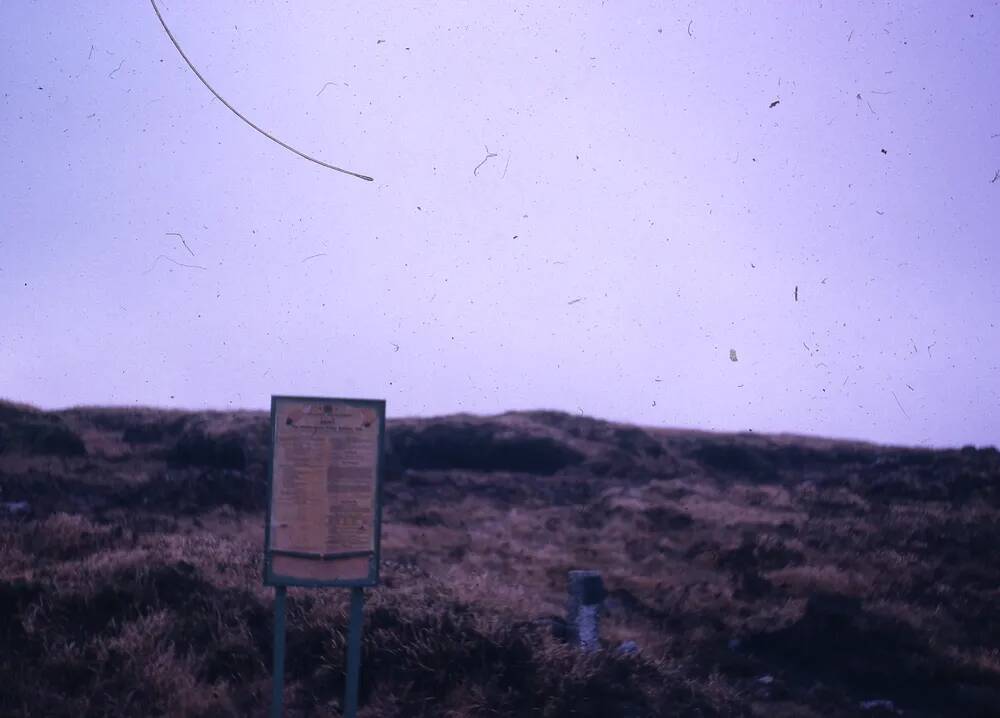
[{"x": 272, "y": 577}]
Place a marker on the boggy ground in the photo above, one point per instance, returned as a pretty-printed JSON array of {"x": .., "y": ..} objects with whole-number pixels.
[{"x": 758, "y": 575}]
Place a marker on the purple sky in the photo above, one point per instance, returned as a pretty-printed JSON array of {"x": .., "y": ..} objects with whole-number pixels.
[{"x": 640, "y": 170}]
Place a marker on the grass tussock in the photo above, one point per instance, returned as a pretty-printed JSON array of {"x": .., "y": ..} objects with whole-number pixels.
[{"x": 180, "y": 626}]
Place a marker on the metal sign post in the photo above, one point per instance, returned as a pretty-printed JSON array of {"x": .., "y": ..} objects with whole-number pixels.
[
  {"x": 278, "y": 670},
  {"x": 354, "y": 652},
  {"x": 323, "y": 513}
]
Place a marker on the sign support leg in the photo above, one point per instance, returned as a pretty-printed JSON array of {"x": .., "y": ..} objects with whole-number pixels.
[
  {"x": 278, "y": 669},
  {"x": 354, "y": 652}
]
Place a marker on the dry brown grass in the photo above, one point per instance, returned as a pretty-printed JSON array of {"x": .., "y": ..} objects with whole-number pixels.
[
  {"x": 180, "y": 626},
  {"x": 843, "y": 571}
]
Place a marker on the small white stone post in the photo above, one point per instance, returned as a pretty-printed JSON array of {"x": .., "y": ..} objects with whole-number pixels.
[{"x": 586, "y": 594}]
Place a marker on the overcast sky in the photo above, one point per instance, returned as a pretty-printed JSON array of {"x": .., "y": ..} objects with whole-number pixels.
[{"x": 665, "y": 176}]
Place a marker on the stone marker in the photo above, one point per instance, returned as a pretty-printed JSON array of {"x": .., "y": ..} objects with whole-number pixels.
[{"x": 586, "y": 594}]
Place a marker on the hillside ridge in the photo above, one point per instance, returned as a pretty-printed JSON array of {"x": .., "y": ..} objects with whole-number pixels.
[{"x": 755, "y": 574}]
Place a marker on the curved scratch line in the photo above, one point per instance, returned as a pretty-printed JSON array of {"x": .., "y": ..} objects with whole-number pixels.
[
  {"x": 179, "y": 264},
  {"x": 181, "y": 238},
  {"x": 313, "y": 256},
  {"x": 237, "y": 112},
  {"x": 488, "y": 155}
]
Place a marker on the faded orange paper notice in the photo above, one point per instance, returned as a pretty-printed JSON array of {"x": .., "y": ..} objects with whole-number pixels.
[{"x": 324, "y": 485}]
